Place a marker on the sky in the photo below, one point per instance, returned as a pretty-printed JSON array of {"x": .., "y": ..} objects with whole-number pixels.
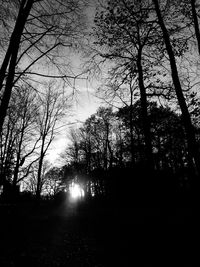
[
  {"x": 83, "y": 108},
  {"x": 85, "y": 103}
]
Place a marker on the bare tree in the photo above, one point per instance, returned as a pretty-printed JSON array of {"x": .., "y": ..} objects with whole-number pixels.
[
  {"x": 26, "y": 140},
  {"x": 125, "y": 33},
  {"x": 52, "y": 108},
  {"x": 40, "y": 34},
  {"x": 31, "y": 183},
  {"x": 190, "y": 133},
  {"x": 195, "y": 22},
  {"x": 18, "y": 138},
  {"x": 53, "y": 181}
]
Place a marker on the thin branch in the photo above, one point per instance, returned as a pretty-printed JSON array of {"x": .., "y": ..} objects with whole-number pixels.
[{"x": 54, "y": 76}]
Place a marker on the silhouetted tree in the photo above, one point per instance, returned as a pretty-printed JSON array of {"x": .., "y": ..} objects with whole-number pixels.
[
  {"x": 193, "y": 148},
  {"x": 19, "y": 134},
  {"x": 31, "y": 182},
  {"x": 39, "y": 33},
  {"x": 25, "y": 131},
  {"x": 169, "y": 150},
  {"x": 52, "y": 108},
  {"x": 73, "y": 152},
  {"x": 133, "y": 136},
  {"x": 196, "y": 22},
  {"x": 53, "y": 181},
  {"x": 130, "y": 39}
]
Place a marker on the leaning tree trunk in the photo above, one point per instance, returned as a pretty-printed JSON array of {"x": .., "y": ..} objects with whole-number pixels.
[
  {"x": 13, "y": 44},
  {"x": 11, "y": 58},
  {"x": 193, "y": 150}
]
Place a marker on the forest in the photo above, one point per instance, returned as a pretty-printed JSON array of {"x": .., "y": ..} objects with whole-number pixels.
[
  {"x": 124, "y": 190},
  {"x": 143, "y": 141}
]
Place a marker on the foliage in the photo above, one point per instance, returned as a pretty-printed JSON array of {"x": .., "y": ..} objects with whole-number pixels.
[{"x": 96, "y": 145}]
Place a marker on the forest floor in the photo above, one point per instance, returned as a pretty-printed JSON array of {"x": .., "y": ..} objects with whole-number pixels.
[{"x": 70, "y": 235}]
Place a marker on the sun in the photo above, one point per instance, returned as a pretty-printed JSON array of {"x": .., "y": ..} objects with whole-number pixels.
[{"x": 76, "y": 191}]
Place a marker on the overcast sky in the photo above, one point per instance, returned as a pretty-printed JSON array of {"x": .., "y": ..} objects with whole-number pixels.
[{"x": 85, "y": 103}]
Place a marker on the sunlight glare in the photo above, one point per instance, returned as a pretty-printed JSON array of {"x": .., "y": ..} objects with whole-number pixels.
[{"x": 76, "y": 191}]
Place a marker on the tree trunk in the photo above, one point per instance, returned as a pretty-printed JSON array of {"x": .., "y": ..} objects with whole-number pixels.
[
  {"x": 12, "y": 45},
  {"x": 145, "y": 119},
  {"x": 131, "y": 129},
  {"x": 16, "y": 170},
  {"x": 189, "y": 129},
  {"x": 38, "y": 188},
  {"x": 196, "y": 23},
  {"x": 106, "y": 150},
  {"x": 11, "y": 58}
]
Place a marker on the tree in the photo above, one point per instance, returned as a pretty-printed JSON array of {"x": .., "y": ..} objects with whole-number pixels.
[
  {"x": 121, "y": 91},
  {"x": 40, "y": 34},
  {"x": 31, "y": 183},
  {"x": 92, "y": 145},
  {"x": 7, "y": 153},
  {"x": 52, "y": 108},
  {"x": 25, "y": 129},
  {"x": 105, "y": 116},
  {"x": 192, "y": 14},
  {"x": 190, "y": 133},
  {"x": 168, "y": 138},
  {"x": 53, "y": 181},
  {"x": 129, "y": 37},
  {"x": 133, "y": 136},
  {"x": 19, "y": 139},
  {"x": 110, "y": 166},
  {"x": 73, "y": 149}
]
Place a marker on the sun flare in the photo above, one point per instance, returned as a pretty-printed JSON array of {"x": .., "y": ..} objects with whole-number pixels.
[{"x": 76, "y": 191}]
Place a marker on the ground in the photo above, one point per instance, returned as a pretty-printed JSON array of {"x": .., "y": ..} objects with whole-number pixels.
[{"x": 71, "y": 235}]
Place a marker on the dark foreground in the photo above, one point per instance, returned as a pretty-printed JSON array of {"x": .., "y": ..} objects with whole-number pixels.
[{"x": 96, "y": 235}]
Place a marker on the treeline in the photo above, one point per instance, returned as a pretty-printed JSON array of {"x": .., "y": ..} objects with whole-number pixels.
[
  {"x": 109, "y": 152},
  {"x": 35, "y": 84},
  {"x": 28, "y": 131},
  {"x": 145, "y": 53},
  {"x": 108, "y": 139},
  {"x": 149, "y": 51}
]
